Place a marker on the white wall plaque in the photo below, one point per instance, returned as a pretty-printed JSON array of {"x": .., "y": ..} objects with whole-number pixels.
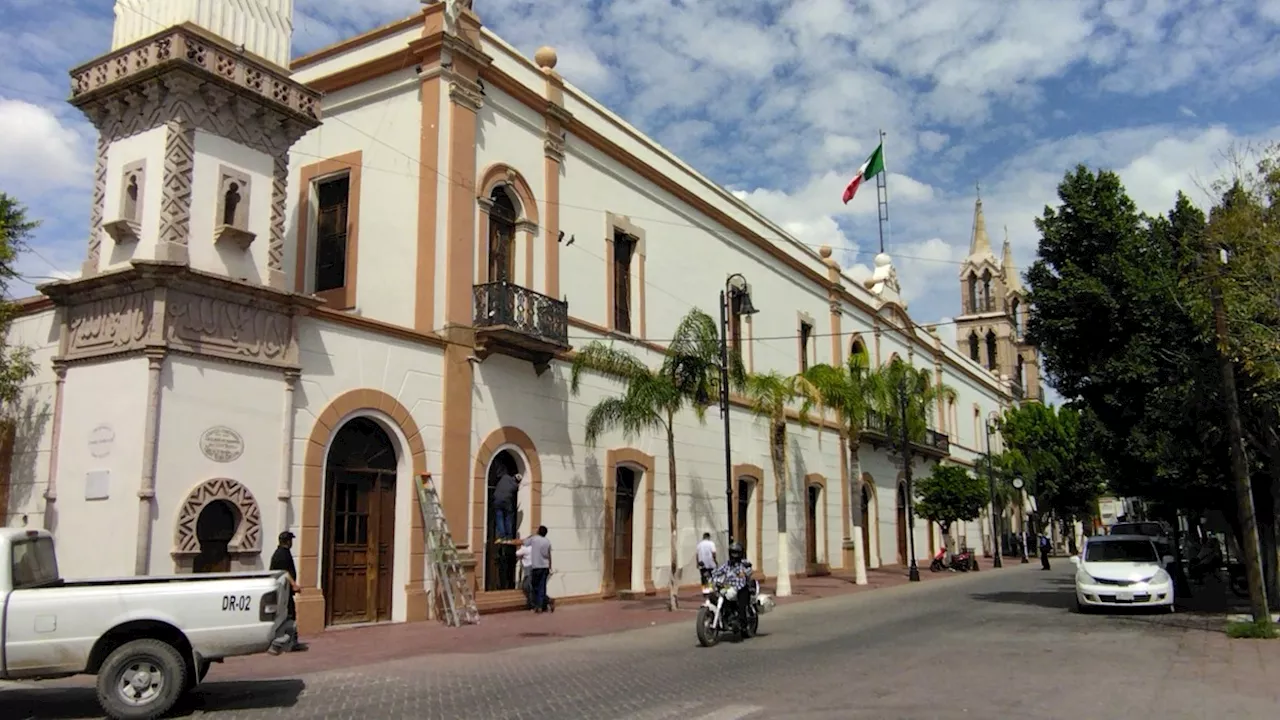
[
  {"x": 101, "y": 440},
  {"x": 97, "y": 485},
  {"x": 221, "y": 444}
]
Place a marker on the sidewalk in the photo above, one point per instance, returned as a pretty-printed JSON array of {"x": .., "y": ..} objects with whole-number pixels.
[{"x": 351, "y": 647}]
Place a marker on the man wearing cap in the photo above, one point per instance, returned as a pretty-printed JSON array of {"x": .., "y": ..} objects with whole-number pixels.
[{"x": 282, "y": 559}]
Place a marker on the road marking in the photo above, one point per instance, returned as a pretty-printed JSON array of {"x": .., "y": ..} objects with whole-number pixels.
[{"x": 732, "y": 712}]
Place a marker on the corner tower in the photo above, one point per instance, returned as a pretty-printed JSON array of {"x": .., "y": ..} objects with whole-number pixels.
[{"x": 195, "y": 114}]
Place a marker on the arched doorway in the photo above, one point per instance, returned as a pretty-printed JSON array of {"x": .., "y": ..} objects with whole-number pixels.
[
  {"x": 215, "y": 527},
  {"x": 360, "y": 490},
  {"x": 500, "y": 558},
  {"x": 902, "y": 524},
  {"x": 866, "y": 526},
  {"x": 813, "y": 496},
  {"x": 741, "y": 527},
  {"x": 624, "y": 503}
]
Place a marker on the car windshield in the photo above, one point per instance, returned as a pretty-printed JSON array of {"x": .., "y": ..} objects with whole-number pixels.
[
  {"x": 1120, "y": 551},
  {"x": 1146, "y": 528},
  {"x": 33, "y": 563}
]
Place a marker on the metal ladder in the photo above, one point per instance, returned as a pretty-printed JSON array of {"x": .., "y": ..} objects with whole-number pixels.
[{"x": 453, "y": 590}]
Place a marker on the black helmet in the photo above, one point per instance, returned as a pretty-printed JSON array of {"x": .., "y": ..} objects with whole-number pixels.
[{"x": 735, "y": 552}]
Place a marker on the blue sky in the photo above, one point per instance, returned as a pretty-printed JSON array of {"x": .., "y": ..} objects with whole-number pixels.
[{"x": 781, "y": 101}]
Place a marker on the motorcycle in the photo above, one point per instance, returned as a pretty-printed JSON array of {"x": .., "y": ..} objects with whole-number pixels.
[
  {"x": 961, "y": 561},
  {"x": 719, "y": 612}
]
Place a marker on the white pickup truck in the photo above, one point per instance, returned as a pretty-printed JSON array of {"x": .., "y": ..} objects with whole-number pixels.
[{"x": 148, "y": 639}]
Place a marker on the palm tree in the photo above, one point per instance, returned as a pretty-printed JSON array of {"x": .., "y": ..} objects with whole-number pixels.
[
  {"x": 915, "y": 388},
  {"x": 770, "y": 395},
  {"x": 852, "y": 391},
  {"x": 689, "y": 377}
]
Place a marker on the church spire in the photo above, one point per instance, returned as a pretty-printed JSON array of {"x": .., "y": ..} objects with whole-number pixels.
[{"x": 979, "y": 243}]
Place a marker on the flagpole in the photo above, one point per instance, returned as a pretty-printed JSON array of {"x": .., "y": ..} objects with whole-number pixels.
[{"x": 882, "y": 193}]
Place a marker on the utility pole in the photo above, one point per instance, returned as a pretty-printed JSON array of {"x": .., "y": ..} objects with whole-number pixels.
[
  {"x": 913, "y": 572},
  {"x": 1235, "y": 436}
]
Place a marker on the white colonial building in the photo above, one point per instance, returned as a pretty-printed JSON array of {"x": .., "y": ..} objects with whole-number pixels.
[{"x": 282, "y": 320}]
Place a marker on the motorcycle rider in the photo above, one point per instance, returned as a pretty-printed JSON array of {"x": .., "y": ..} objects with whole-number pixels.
[{"x": 736, "y": 573}]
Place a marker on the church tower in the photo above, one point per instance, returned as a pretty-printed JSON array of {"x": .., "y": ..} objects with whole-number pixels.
[
  {"x": 992, "y": 324},
  {"x": 196, "y": 113}
]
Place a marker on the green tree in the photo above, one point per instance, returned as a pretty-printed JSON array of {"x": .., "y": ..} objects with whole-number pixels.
[
  {"x": 903, "y": 385},
  {"x": 689, "y": 378},
  {"x": 949, "y": 494},
  {"x": 852, "y": 391},
  {"x": 1043, "y": 444},
  {"x": 15, "y": 362},
  {"x": 771, "y": 395}
]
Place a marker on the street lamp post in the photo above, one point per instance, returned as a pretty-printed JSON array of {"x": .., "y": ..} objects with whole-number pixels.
[
  {"x": 991, "y": 478},
  {"x": 1018, "y": 484},
  {"x": 913, "y": 573},
  {"x": 741, "y": 297}
]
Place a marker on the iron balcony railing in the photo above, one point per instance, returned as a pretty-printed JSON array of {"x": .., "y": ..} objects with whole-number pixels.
[
  {"x": 932, "y": 439},
  {"x": 521, "y": 310},
  {"x": 981, "y": 305}
]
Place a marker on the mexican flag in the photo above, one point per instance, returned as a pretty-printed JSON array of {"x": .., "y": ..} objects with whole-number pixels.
[{"x": 872, "y": 167}]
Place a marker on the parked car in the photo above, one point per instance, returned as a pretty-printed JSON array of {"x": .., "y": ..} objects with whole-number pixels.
[
  {"x": 1122, "y": 571},
  {"x": 1159, "y": 533},
  {"x": 148, "y": 639}
]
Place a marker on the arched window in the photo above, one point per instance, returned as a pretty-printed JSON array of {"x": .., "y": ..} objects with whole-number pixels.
[
  {"x": 131, "y": 198},
  {"x": 1014, "y": 308},
  {"x": 502, "y": 235},
  {"x": 1018, "y": 372},
  {"x": 991, "y": 350},
  {"x": 973, "y": 292},
  {"x": 987, "y": 302},
  {"x": 974, "y": 347}
]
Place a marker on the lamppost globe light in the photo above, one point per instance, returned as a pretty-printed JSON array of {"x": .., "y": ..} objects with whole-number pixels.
[{"x": 1017, "y": 483}]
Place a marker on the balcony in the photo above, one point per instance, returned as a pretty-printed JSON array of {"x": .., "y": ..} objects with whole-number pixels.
[
  {"x": 933, "y": 444},
  {"x": 1017, "y": 391},
  {"x": 980, "y": 305},
  {"x": 518, "y": 322}
]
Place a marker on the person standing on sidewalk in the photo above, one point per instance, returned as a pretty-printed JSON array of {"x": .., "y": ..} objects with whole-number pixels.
[
  {"x": 706, "y": 554},
  {"x": 540, "y": 567},
  {"x": 526, "y": 575},
  {"x": 282, "y": 559},
  {"x": 1045, "y": 545}
]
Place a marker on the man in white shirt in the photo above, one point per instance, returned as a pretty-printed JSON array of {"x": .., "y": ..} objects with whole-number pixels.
[
  {"x": 526, "y": 574},
  {"x": 706, "y": 554}
]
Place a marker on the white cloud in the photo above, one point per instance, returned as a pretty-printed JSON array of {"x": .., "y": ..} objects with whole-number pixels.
[{"x": 39, "y": 152}]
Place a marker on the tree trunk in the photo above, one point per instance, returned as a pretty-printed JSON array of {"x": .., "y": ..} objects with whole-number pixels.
[
  {"x": 1273, "y": 456},
  {"x": 947, "y": 546},
  {"x": 778, "y": 454},
  {"x": 860, "y": 553},
  {"x": 673, "y": 587}
]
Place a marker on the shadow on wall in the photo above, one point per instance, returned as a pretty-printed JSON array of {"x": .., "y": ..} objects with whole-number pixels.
[
  {"x": 30, "y": 420},
  {"x": 705, "y": 512},
  {"x": 797, "y": 508},
  {"x": 587, "y": 493},
  {"x": 548, "y": 396}
]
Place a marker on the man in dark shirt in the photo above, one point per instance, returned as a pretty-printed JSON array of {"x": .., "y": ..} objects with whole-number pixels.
[
  {"x": 504, "y": 505},
  {"x": 282, "y": 559}
]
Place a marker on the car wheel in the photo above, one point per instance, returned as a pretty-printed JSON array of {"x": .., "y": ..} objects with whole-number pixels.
[
  {"x": 141, "y": 679},
  {"x": 1082, "y": 608}
]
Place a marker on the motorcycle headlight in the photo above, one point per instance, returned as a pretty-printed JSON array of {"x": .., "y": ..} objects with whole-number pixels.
[{"x": 730, "y": 594}]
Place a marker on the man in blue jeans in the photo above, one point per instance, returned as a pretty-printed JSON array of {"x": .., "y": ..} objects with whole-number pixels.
[
  {"x": 540, "y": 567},
  {"x": 504, "y": 505}
]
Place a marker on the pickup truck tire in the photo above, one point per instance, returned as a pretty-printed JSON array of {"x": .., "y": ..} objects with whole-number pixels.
[{"x": 141, "y": 680}]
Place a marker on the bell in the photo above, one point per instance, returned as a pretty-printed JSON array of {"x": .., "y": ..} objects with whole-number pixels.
[{"x": 743, "y": 299}]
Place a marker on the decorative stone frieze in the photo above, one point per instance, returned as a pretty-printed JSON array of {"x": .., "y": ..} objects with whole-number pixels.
[
  {"x": 109, "y": 326},
  {"x": 248, "y": 534},
  {"x": 216, "y": 327}
]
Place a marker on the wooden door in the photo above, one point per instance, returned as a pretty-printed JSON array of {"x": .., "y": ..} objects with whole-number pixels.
[
  {"x": 866, "y": 527},
  {"x": 811, "y": 529},
  {"x": 623, "y": 527},
  {"x": 349, "y": 582},
  {"x": 385, "y": 536}
]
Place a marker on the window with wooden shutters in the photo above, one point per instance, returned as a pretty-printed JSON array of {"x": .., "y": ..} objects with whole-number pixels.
[
  {"x": 333, "y": 197},
  {"x": 806, "y": 337},
  {"x": 502, "y": 236},
  {"x": 623, "y": 249}
]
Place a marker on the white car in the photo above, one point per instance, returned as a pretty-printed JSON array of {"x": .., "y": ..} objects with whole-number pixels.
[{"x": 1122, "y": 571}]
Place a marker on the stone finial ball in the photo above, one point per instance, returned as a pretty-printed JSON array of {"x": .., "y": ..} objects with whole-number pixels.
[
  {"x": 825, "y": 251},
  {"x": 545, "y": 57}
]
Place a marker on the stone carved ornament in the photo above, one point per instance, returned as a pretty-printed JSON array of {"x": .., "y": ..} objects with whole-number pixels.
[
  {"x": 248, "y": 535},
  {"x": 112, "y": 325},
  {"x": 237, "y": 331}
]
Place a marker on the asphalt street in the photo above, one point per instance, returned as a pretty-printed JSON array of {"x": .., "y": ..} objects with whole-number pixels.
[{"x": 1003, "y": 644}]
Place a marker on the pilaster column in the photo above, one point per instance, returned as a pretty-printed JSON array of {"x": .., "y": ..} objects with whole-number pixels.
[
  {"x": 284, "y": 493},
  {"x": 553, "y": 146},
  {"x": 147, "y": 484}
]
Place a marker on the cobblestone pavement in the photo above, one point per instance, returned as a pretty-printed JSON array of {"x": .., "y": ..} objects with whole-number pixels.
[{"x": 986, "y": 645}]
